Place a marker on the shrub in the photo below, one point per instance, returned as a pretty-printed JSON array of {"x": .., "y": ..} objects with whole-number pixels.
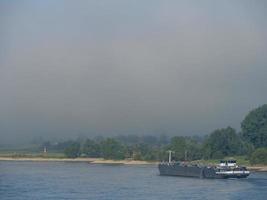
[{"x": 259, "y": 156}]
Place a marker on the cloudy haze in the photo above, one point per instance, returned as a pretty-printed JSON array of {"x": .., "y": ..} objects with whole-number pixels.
[{"x": 70, "y": 68}]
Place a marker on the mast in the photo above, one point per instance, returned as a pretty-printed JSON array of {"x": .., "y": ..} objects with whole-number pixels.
[{"x": 170, "y": 155}]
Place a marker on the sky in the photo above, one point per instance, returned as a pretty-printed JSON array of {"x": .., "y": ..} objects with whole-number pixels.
[{"x": 87, "y": 68}]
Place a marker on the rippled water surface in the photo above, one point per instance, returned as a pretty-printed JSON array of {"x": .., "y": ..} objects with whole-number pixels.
[{"x": 57, "y": 180}]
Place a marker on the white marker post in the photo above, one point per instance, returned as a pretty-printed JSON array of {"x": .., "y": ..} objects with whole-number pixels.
[{"x": 170, "y": 155}]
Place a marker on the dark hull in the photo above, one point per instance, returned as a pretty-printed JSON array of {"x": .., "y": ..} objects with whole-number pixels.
[
  {"x": 177, "y": 170},
  {"x": 167, "y": 169}
]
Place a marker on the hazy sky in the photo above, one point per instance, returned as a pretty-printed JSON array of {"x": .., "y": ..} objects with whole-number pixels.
[{"x": 70, "y": 68}]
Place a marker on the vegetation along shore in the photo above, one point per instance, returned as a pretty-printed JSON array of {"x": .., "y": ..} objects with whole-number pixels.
[
  {"x": 249, "y": 147},
  {"x": 88, "y": 160},
  {"x": 258, "y": 168}
]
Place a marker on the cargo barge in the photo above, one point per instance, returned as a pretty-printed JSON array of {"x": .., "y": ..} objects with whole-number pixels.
[{"x": 226, "y": 169}]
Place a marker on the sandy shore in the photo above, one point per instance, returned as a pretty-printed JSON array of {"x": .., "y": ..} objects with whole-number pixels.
[
  {"x": 257, "y": 168},
  {"x": 126, "y": 162},
  {"x": 89, "y": 160},
  {"x": 103, "y": 161}
]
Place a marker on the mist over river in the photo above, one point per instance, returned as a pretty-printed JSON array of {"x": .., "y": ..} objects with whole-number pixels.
[{"x": 22, "y": 180}]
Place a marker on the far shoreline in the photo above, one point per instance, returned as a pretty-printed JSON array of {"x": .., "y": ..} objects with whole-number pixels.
[
  {"x": 87, "y": 160},
  {"x": 254, "y": 168}
]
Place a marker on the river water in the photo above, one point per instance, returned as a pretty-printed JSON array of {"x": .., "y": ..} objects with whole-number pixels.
[{"x": 20, "y": 180}]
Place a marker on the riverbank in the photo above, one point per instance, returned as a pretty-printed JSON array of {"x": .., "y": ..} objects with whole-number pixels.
[
  {"x": 88, "y": 160},
  {"x": 257, "y": 168}
]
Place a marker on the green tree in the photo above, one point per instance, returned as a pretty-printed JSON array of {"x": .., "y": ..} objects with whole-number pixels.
[
  {"x": 193, "y": 149},
  {"x": 254, "y": 127},
  {"x": 185, "y": 148},
  {"x": 223, "y": 142},
  {"x": 112, "y": 149},
  {"x": 178, "y": 145},
  {"x": 259, "y": 156},
  {"x": 144, "y": 151},
  {"x": 91, "y": 149},
  {"x": 72, "y": 150}
]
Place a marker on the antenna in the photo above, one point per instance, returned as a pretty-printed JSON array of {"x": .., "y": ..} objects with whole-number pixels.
[{"x": 170, "y": 155}]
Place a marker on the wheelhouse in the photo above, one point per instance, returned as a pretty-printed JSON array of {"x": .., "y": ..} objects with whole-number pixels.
[{"x": 228, "y": 163}]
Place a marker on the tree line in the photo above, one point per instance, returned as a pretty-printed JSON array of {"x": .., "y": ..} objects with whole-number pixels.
[{"x": 251, "y": 142}]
